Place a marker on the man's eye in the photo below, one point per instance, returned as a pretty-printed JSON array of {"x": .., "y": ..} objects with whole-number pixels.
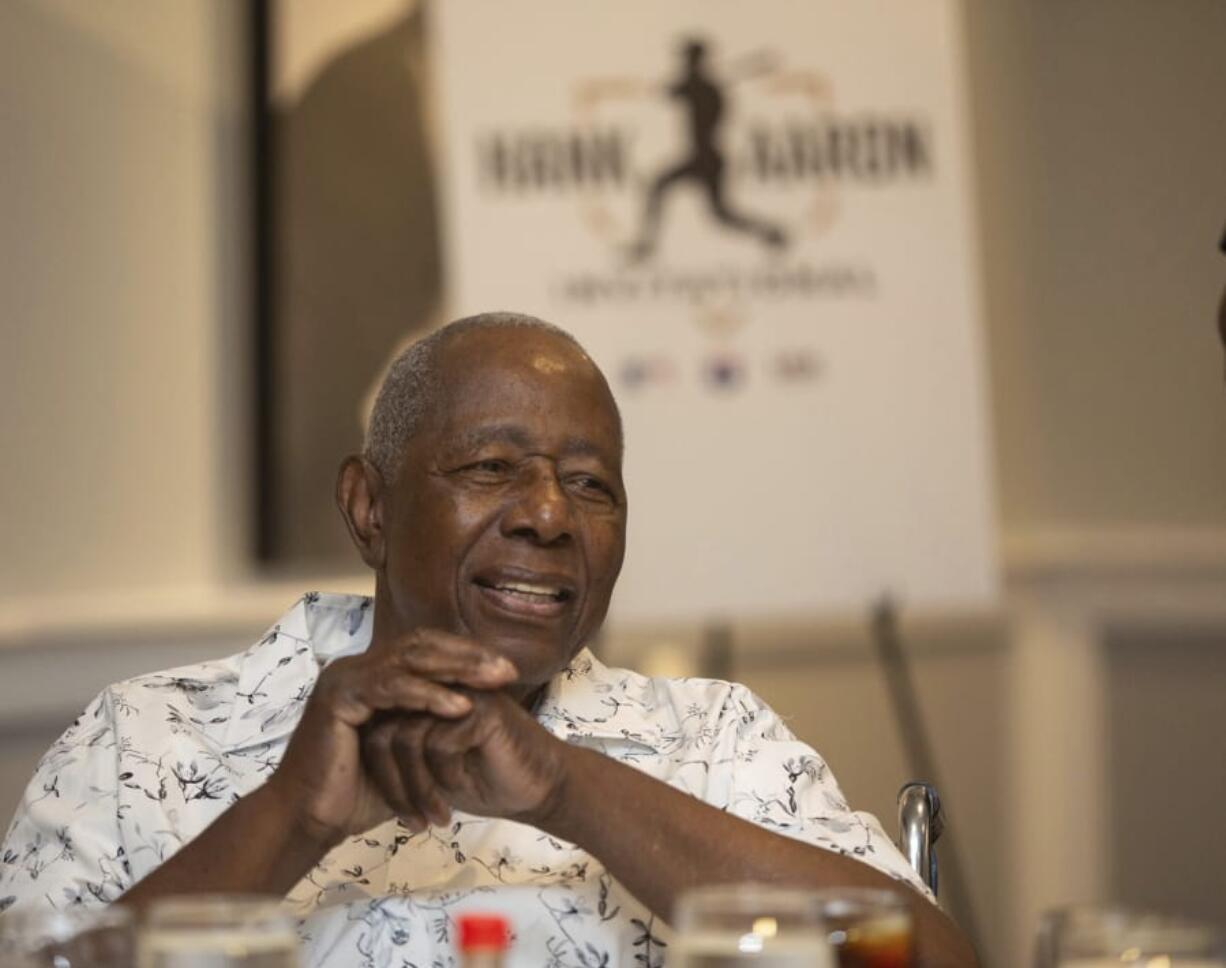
[
  {"x": 491, "y": 469},
  {"x": 590, "y": 486}
]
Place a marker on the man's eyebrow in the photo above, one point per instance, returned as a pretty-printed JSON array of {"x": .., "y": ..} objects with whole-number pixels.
[
  {"x": 495, "y": 434},
  {"x": 582, "y": 447},
  {"x": 519, "y": 437}
]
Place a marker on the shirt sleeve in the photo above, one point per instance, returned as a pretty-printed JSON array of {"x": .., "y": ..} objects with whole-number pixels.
[
  {"x": 63, "y": 847},
  {"x": 782, "y": 784}
]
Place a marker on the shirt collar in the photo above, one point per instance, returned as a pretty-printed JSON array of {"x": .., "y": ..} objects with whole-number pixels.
[
  {"x": 277, "y": 674},
  {"x": 590, "y": 701}
]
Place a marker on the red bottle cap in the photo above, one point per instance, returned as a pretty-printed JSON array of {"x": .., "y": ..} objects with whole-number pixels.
[{"x": 483, "y": 932}]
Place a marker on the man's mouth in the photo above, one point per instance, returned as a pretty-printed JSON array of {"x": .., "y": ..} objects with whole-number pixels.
[
  {"x": 529, "y": 592},
  {"x": 539, "y": 597}
]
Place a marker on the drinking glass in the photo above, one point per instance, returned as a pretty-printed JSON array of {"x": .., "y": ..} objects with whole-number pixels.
[
  {"x": 218, "y": 931},
  {"x": 70, "y": 938},
  {"x": 869, "y": 928},
  {"x": 1096, "y": 938},
  {"x": 1057, "y": 922},
  {"x": 749, "y": 924}
]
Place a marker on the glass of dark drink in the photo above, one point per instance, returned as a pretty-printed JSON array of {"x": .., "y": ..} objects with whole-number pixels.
[{"x": 868, "y": 928}]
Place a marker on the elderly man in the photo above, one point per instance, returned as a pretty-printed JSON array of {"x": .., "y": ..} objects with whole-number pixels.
[{"x": 393, "y": 759}]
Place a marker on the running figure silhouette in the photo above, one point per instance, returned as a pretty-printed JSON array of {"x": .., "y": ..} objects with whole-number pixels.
[{"x": 702, "y": 97}]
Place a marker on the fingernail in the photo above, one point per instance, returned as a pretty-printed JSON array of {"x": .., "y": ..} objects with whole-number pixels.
[
  {"x": 455, "y": 703},
  {"x": 499, "y": 666}
]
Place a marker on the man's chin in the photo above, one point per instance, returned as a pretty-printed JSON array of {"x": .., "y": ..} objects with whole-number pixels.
[
  {"x": 537, "y": 658},
  {"x": 538, "y": 641}
]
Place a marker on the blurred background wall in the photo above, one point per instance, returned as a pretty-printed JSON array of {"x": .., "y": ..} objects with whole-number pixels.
[{"x": 1076, "y": 730}]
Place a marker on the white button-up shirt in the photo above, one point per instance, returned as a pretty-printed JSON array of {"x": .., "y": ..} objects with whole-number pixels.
[{"x": 154, "y": 760}]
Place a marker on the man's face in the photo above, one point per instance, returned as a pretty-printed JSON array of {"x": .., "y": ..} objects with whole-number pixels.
[{"x": 507, "y": 521}]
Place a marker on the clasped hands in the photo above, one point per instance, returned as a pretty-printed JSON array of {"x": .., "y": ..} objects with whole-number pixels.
[{"x": 414, "y": 728}]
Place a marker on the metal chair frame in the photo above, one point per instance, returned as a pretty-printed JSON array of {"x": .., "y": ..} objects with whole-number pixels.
[{"x": 919, "y": 825}]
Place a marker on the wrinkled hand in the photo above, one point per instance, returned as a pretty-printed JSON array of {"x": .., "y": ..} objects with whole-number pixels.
[
  {"x": 496, "y": 761},
  {"x": 321, "y": 782}
]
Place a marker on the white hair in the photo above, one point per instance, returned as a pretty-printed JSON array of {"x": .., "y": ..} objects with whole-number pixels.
[{"x": 410, "y": 390}]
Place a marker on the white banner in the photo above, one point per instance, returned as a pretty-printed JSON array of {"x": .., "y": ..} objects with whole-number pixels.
[{"x": 756, "y": 218}]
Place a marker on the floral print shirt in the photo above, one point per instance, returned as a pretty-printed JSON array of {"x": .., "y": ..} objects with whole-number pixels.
[{"x": 153, "y": 760}]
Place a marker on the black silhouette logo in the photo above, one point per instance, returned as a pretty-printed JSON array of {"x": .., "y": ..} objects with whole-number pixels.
[
  {"x": 702, "y": 96},
  {"x": 793, "y": 149}
]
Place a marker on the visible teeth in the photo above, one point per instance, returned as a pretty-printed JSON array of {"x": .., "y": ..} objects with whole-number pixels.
[{"x": 525, "y": 589}]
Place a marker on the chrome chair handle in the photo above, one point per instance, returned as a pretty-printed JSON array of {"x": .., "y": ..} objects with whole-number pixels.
[{"x": 919, "y": 825}]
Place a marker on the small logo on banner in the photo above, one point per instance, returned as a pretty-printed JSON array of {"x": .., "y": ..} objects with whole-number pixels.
[
  {"x": 725, "y": 372},
  {"x": 797, "y": 365},
  {"x": 643, "y": 371}
]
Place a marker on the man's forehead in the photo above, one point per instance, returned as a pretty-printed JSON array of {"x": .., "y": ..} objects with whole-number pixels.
[
  {"x": 476, "y": 364},
  {"x": 513, "y": 349},
  {"x": 485, "y": 375}
]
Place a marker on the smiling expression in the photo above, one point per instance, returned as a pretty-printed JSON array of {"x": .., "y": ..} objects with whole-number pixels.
[{"x": 507, "y": 520}]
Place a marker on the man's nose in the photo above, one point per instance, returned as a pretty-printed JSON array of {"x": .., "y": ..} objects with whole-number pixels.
[{"x": 541, "y": 509}]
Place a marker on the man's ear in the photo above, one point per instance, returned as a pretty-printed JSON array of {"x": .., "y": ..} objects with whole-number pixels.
[{"x": 360, "y": 495}]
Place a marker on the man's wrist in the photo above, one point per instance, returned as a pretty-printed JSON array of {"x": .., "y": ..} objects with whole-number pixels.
[
  {"x": 304, "y": 836},
  {"x": 557, "y": 813}
]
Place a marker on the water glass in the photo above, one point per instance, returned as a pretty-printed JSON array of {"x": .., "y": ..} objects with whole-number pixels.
[
  {"x": 869, "y": 928},
  {"x": 751, "y": 925},
  {"x": 1090, "y": 937},
  {"x": 218, "y": 931},
  {"x": 1055, "y": 923},
  {"x": 74, "y": 937}
]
